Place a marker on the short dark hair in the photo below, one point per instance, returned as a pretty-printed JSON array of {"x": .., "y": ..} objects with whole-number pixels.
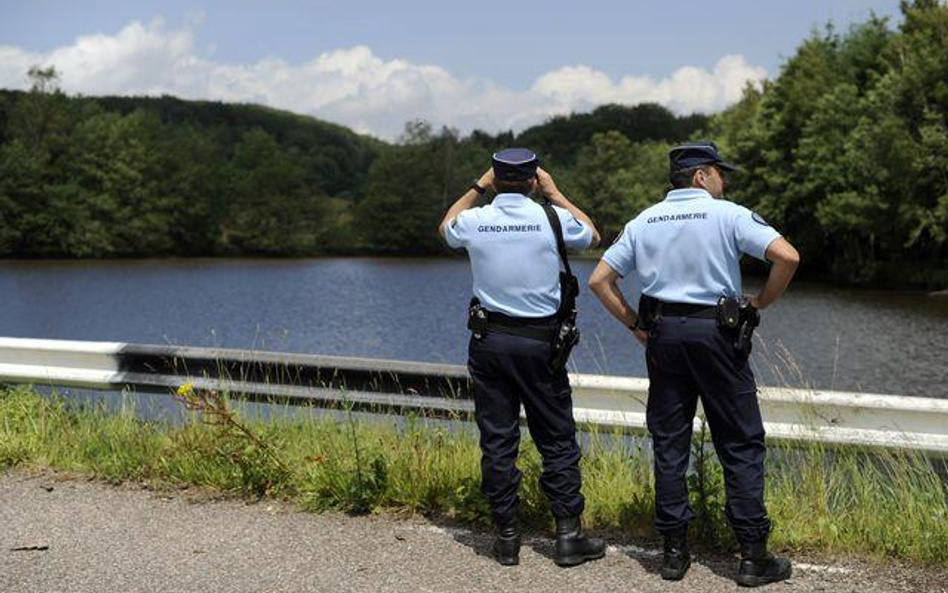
[
  {"x": 682, "y": 178},
  {"x": 513, "y": 187}
]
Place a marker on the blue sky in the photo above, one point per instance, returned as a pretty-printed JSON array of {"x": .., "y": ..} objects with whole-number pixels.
[{"x": 374, "y": 65}]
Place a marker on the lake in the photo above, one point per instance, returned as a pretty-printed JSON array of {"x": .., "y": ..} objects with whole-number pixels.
[{"x": 818, "y": 335}]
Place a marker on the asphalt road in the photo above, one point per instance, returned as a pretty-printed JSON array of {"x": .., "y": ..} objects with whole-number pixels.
[{"x": 60, "y": 533}]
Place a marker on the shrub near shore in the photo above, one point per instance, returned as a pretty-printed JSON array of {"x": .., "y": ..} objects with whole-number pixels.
[{"x": 876, "y": 503}]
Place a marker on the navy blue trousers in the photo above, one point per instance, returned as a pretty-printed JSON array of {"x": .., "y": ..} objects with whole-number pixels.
[
  {"x": 690, "y": 358},
  {"x": 508, "y": 371}
]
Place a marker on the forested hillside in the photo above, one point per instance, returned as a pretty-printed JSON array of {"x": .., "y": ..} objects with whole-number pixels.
[
  {"x": 103, "y": 177},
  {"x": 137, "y": 176},
  {"x": 845, "y": 151}
]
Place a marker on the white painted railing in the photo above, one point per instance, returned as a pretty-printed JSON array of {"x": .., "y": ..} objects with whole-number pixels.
[{"x": 439, "y": 389}]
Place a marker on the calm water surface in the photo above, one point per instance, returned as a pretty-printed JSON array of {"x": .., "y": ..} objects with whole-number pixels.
[{"x": 414, "y": 309}]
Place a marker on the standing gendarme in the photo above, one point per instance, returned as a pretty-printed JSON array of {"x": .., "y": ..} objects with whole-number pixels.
[
  {"x": 684, "y": 253},
  {"x": 521, "y": 319}
]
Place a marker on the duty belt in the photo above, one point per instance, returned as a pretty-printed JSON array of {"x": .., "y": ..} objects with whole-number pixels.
[
  {"x": 687, "y": 310},
  {"x": 537, "y": 328},
  {"x": 734, "y": 315}
]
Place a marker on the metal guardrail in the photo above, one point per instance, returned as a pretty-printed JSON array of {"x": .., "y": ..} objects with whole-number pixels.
[{"x": 444, "y": 390}]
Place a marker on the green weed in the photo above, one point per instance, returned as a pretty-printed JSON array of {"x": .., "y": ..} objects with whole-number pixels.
[{"x": 878, "y": 503}]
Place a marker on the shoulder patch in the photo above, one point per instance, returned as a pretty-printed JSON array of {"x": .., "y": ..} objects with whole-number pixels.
[{"x": 759, "y": 219}]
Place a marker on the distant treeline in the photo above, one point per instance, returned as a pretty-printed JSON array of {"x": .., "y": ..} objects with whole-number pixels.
[{"x": 846, "y": 152}]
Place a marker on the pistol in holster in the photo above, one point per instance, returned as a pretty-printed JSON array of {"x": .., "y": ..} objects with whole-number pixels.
[
  {"x": 739, "y": 317},
  {"x": 563, "y": 342},
  {"x": 477, "y": 318},
  {"x": 567, "y": 335}
]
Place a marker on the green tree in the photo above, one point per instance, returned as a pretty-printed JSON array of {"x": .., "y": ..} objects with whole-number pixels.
[
  {"x": 917, "y": 86},
  {"x": 21, "y": 183},
  {"x": 32, "y": 160},
  {"x": 188, "y": 173},
  {"x": 615, "y": 179},
  {"x": 110, "y": 189},
  {"x": 825, "y": 154},
  {"x": 269, "y": 207},
  {"x": 412, "y": 184}
]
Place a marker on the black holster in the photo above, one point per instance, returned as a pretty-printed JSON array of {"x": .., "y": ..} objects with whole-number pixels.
[
  {"x": 566, "y": 338},
  {"x": 568, "y": 335},
  {"x": 649, "y": 313},
  {"x": 750, "y": 319},
  {"x": 477, "y": 318},
  {"x": 738, "y": 317}
]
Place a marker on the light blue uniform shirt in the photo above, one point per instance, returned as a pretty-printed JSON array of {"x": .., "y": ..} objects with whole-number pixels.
[
  {"x": 687, "y": 248},
  {"x": 514, "y": 259}
]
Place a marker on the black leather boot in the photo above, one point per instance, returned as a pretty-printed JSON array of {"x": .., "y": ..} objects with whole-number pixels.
[
  {"x": 507, "y": 545},
  {"x": 572, "y": 547},
  {"x": 760, "y": 567},
  {"x": 675, "y": 557}
]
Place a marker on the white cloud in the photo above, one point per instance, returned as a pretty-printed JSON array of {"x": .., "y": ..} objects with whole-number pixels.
[
  {"x": 688, "y": 89},
  {"x": 356, "y": 88}
]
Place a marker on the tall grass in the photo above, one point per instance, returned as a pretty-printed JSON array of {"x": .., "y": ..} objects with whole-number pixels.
[{"x": 849, "y": 500}]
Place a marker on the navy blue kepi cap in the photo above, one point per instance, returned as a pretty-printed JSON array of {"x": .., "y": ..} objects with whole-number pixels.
[
  {"x": 697, "y": 154},
  {"x": 515, "y": 164}
]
